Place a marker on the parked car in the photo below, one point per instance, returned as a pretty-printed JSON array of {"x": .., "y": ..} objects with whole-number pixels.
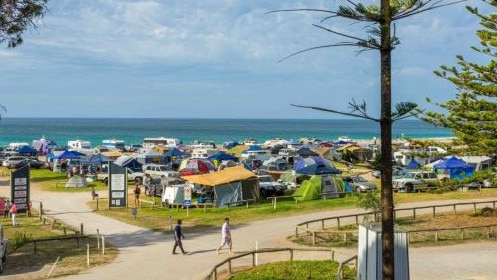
[
  {"x": 268, "y": 186},
  {"x": 416, "y": 181},
  {"x": 14, "y": 162},
  {"x": 397, "y": 171},
  {"x": 33, "y": 163},
  {"x": 359, "y": 184},
  {"x": 157, "y": 170}
]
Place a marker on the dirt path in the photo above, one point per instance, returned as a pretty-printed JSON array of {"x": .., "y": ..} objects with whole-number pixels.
[{"x": 147, "y": 255}]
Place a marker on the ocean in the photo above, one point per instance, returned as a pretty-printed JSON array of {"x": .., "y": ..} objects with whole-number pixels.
[{"x": 133, "y": 130}]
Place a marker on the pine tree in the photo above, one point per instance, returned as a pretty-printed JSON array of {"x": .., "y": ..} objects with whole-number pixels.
[
  {"x": 472, "y": 115},
  {"x": 379, "y": 21}
]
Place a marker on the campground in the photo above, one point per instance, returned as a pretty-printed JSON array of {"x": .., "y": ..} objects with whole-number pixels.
[{"x": 147, "y": 240}]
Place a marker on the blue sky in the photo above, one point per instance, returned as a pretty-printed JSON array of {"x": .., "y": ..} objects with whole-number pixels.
[{"x": 217, "y": 59}]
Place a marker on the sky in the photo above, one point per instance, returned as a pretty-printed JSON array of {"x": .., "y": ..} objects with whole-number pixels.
[{"x": 219, "y": 59}]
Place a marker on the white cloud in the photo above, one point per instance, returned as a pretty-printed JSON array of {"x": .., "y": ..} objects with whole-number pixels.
[{"x": 220, "y": 52}]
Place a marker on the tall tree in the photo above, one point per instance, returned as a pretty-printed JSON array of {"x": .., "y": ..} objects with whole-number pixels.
[
  {"x": 16, "y": 16},
  {"x": 472, "y": 115},
  {"x": 378, "y": 21}
]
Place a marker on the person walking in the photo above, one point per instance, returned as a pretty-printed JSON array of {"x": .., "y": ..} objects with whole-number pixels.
[
  {"x": 7, "y": 209},
  {"x": 137, "y": 192},
  {"x": 178, "y": 235},
  {"x": 225, "y": 236},
  {"x": 13, "y": 213}
]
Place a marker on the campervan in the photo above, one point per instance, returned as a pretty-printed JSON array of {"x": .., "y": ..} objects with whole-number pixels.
[
  {"x": 203, "y": 152},
  {"x": 79, "y": 145},
  {"x": 113, "y": 143},
  {"x": 160, "y": 141}
]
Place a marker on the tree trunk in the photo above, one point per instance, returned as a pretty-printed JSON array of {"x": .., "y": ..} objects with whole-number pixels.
[{"x": 386, "y": 145}]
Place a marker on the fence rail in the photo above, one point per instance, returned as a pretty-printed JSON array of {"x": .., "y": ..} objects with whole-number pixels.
[
  {"x": 229, "y": 262},
  {"x": 305, "y": 226}
]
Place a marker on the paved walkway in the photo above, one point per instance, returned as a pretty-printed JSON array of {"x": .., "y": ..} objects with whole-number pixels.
[{"x": 147, "y": 255}]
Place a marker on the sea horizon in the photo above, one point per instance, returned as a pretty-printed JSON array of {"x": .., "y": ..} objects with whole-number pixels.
[{"x": 187, "y": 130}]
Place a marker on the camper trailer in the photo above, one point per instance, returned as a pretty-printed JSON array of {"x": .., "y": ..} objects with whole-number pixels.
[{"x": 78, "y": 145}]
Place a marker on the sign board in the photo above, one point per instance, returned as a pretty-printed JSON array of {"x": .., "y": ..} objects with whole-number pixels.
[
  {"x": 19, "y": 186},
  {"x": 118, "y": 190},
  {"x": 187, "y": 202},
  {"x": 187, "y": 193}
]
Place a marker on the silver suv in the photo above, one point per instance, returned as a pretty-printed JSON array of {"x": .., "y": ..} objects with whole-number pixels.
[
  {"x": 415, "y": 181},
  {"x": 157, "y": 170}
]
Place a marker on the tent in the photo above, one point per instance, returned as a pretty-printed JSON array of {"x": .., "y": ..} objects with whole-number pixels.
[
  {"x": 302, "y": 162},
  {"x": 318, "y": 169},
  {"x": 69, "y": 155},
  {"x": 232, "y": 185},
  {"x": 174, "y": 152},
  {"x": 413, "y": 165},
  {"x": 320, "y": 186},
  {"x": 194, "y": 166},
  {"x": 97, "y": 159},
  {"x": 220, "y": 156},
  {"x": 456, "y": 168},
  {"x": 306, "y": 152},
  {"x": 129, "y": 162}
]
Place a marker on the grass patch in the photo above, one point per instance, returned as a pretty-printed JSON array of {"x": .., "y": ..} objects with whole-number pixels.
[
  {"x": 294, "y": 270},
  {"x": 48, "y": 180},
  {"x": 25, "y": 263}
]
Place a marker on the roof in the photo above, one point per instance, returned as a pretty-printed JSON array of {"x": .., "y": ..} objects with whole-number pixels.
[{"x": 227, "y": 175}]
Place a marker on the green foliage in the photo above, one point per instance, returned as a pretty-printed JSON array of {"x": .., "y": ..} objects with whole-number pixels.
[
  {"x": 295, "y": 270},
  {"x": 19, "y": 239},
  {"x": 370, "y": 202},
  {"x": 471, "y": 114},
  {"x": 18, "y": 15}
]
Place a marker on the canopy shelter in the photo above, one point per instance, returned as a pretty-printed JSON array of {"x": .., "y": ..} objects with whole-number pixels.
[
  {"x": 220, "y": 156},
  {"x": 231, "y": 186},
  {"x": 306, "y": 152},
  {"x": 27, "y": 151},
  {"x": 456, "y": 168},
  {"x": 70, "y": 155}
]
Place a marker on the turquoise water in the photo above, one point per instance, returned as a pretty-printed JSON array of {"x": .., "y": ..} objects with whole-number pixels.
[{"x": 132, "y": 131}]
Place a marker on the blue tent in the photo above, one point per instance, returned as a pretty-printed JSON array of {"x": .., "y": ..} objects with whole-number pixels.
[
  {"x": 69, "y": 155},
  {"x": 97, "y": 159},
  {"x": 318, "y": 169},
  {"x": 174, "y": 152},
  {"x": 219, "y": 156},
  {"x": 26, "y": 150},
  {"x": 413, "y": 165},
  {"x": 457, "y": 168}
]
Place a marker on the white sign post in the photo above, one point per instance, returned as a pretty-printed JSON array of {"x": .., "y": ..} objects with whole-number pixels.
[{"x": 188, "y": 198}]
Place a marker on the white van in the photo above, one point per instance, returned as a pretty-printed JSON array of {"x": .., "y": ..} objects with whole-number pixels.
[{"x": 157, "y": 170}]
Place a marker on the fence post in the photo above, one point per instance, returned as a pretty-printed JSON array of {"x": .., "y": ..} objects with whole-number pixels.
[
  {"x": 322, "y": 224},
  {"x": 434, "y": 211},
  {"x": 338, "y": 221},
  {"x": 41, "y": 210},
  {"x": 455, "y": 212},
  {"x": 436, "y": 236},
  {"x": 414, "y": 213},
  {"x": 81, "y": 229},
  {"x": 313, "y": 238},
  {"x": 229, "y": 266},
  {"x": 474, "y": 207},
  {"x": 291, "y": 254}
]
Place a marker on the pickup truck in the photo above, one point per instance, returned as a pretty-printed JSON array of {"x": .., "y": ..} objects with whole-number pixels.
[
  {"x": 414, "y": 181},
  {"x": 132, "y": 176}
]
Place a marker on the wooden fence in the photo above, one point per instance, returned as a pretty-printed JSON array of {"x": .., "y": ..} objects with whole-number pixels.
[
  {"x": 253, "y": 256},
  {"x": 337, "y": 221}
]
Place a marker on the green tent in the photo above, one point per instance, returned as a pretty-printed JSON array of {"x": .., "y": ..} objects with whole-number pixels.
[{"x": 311, "y": 189}]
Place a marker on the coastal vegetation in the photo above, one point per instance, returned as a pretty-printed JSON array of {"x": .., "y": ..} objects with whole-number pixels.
[{"x": 471, "y": 114}]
